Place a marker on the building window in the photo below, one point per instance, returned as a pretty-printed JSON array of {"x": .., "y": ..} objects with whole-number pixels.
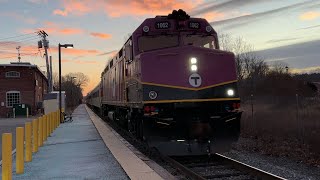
[
  {"x": 13, "y": 97},
  {"x": 12, "y": 74}
]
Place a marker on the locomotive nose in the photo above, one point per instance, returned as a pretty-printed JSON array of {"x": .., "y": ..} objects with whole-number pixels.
[{"x": 200, "y": 130}]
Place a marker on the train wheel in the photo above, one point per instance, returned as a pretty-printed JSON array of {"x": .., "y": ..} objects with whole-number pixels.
[{"x": 131, "y": 123}]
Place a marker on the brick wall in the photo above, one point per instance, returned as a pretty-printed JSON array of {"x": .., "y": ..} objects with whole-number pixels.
[{"x": 29, "y": 93}]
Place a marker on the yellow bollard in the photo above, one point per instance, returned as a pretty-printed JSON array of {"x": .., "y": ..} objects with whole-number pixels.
[
  {"x": 40, "y": 140},
  {"x": 54, "y": 121},
  {"x": 6, "y": 156},
  {"x": 58, "y": 118},
  {"x": 28, "y": 142},
  {"x": 57, "y": 124},
  {"x": 44, "y": 128},
  {"x": 53, "y": 128},
  {"x": 50, "y": 123},
  {"x": 19, "y": 150},
  {"x": 48, "y": 120},
  {"x": 35, "y": 135}
]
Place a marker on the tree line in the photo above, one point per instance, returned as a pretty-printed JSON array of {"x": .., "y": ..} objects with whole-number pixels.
[
  {"x": 72, "y": 84},
  {"x": 259, "y": 78}
]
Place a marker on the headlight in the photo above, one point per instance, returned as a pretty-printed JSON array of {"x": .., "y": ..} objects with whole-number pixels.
[
  {"x": 193, "y": 60},
  {"x": 230, "y": 92},
  {"x": 194, "y": 67}
]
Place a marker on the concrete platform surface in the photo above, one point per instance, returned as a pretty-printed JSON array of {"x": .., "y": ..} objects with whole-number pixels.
[
  {"x": 135, "y": 167},
  {"x": 74, "y": 151}
]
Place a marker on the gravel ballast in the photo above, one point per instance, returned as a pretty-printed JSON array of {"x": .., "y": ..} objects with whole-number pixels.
[{"x": 280, "y": 166}]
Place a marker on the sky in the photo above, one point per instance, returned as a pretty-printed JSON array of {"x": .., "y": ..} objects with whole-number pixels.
[{"x": 287, "y": 31}]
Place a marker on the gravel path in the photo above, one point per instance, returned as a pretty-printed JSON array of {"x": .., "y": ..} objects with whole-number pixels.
[{"x": 280, "y": 166}]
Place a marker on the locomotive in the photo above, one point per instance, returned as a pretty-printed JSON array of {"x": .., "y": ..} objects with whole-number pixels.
[{"x": 172, "y": 87}]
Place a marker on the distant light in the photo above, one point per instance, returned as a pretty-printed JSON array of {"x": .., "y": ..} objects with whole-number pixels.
[
  {"x": 69, "y": 47},
  {"x": 193, "y": 60},
  {"x": 194, "y": 67},
  {"x": 181, "y": 140},
  {"x": 230, "y": 92}
]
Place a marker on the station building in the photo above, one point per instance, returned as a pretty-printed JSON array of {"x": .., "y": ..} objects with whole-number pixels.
[{"x": 21, "y": 83}]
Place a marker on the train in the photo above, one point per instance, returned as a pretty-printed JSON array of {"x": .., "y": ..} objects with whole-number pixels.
[{"x": 172, "y": 87}]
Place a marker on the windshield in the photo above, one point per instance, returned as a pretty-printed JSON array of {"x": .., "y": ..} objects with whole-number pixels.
[
  {"x": 148, "y": 43},
  {"x": 199, "y": 41}
]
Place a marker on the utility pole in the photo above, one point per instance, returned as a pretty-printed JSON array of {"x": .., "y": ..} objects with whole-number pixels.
[
  {"x": 45, "y": 43},
  {"x": 51, "y": 79},
  {"x": 18, "y": 48}
]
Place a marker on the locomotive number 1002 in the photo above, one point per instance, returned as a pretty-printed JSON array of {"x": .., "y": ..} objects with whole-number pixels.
[
  {"x": 194, "y": 25},
  {"x": 162, "y": 25}
]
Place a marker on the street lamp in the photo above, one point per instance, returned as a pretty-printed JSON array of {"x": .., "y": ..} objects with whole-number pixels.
[{"x": 60, "y": 100}]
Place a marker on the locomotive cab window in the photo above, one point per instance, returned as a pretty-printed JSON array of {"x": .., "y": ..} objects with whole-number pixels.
[
  {"x": 148, "y": 43},
  {"x": 199, "y": 41}
]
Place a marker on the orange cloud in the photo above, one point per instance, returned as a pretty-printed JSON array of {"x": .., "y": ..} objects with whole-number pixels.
[
  {"x": 213, "y": 16},
  {"x": 74, "y": 7},
  {"x": 101, "y": 35},
  {"x": 8, "y": 49},
  {"x": 79, "y": 61},
  {"x": 70, "y": 31},
  {"x": 77, "y": 52},
  {"x": 60, "y": 12},
  {"x": 117, "y": 8},
  {"x": 308, "y": 16},
  {"x": 56, "y": 30}
]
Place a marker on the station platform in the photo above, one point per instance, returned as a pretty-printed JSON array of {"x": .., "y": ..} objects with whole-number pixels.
[{"x": 85, "y": 149}]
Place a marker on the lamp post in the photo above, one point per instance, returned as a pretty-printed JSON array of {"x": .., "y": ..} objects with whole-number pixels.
[{"x": 60, "y": 99}]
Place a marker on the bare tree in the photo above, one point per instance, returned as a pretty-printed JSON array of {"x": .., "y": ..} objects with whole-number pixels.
[
  {"x": 79, "y": 79},
  {"x": 279, "y": 67},
  {"x": 72, "y": 84},
  {"x": 248, "y": 64}
]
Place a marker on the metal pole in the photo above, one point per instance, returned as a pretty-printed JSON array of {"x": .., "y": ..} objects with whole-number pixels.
[
  {"x": 51, "y": 80},
  {"x": 60, "y": 103},
  {"x": 45, "y": 44}
]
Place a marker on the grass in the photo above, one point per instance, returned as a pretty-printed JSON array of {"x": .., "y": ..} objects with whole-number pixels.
[{"x": 282, "y": 129}]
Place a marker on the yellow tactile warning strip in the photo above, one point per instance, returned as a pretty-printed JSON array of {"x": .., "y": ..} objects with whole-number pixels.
[{"x": 131, "y": 164}]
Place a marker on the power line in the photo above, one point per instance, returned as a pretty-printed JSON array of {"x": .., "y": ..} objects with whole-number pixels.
[
  {"x": 17, "y": 36},
  {"x": 19, "y": 41}
]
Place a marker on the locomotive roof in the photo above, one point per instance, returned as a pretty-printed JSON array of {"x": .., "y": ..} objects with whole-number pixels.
[{"x": 177, "y": 20}]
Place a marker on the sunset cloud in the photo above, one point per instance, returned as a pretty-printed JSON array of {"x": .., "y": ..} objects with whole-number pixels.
[
  {"x": 308, "y": 16},
  {"x": 101, "y": 35},
  {"x": 212, "y": 16},
  {"x": 77, "y": 52},
  {"x": 116, "y": 8},
  {"x": 60, "y": 12},
  {"x": 78, "y": 61},
  {"x": 8, "y": 48},
  {"x": 314, "y": 69}
]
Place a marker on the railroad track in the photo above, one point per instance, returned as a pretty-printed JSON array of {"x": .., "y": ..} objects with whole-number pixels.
[{"x": 217, "y": 167}]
